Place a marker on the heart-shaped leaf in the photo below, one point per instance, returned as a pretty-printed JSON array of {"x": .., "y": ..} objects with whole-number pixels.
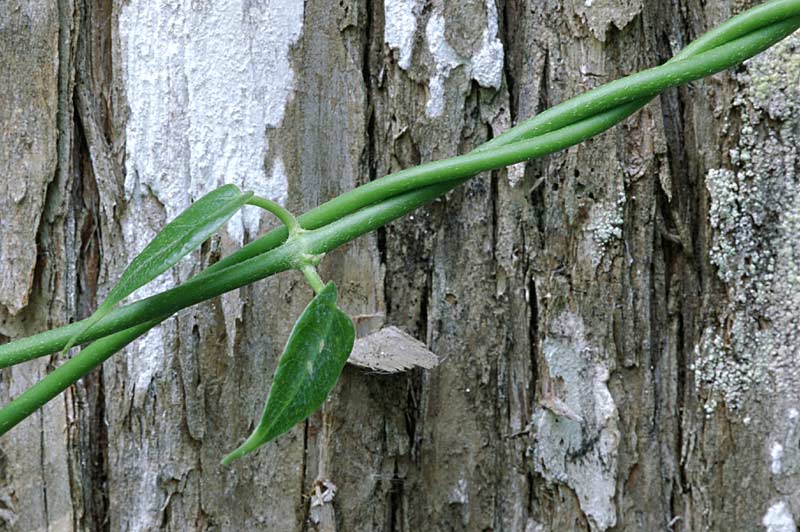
[
  {"x": 309, "y": 367},
  {"x": 177, "y": 239}
]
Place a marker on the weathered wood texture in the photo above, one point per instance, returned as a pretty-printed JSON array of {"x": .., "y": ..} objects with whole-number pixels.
[{"x": 617, "y": 323}]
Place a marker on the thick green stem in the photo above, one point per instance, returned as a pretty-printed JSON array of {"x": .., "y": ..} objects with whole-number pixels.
[
  {"x": 285, "y": 256},
  {"x": 205, "y": 287},
  {"x": 749, "y": 21}
]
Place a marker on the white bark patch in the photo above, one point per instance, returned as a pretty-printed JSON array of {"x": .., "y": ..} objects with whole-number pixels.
[
  {"x": 204, "y": 82},
  {"x": 400, "y": 28},
  {"x": 776, "y": 457},
  {"x": 459, "y": 496},
  {"x": 576, "y": 423},
  {"x": 779, "y": 519},
  {"x": 203, "y": 85},
  {"x": 604, "y": 227},
  {"x": 783, "y": 451},
  {"x": 485, "y": 66},
  {"x": 487, "y": 63},
  {"x": 446, "y": 59}
]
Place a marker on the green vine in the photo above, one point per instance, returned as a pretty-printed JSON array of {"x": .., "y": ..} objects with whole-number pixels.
[{"x": 323, "y": 336}]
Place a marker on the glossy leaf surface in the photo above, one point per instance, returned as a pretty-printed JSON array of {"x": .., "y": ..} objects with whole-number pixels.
[
  {"x": 309, "y": 367},
  {"x": 177, "y": 239}
]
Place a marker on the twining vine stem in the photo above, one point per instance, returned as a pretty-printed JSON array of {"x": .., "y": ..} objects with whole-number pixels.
[{"x": 302, "y": 241}]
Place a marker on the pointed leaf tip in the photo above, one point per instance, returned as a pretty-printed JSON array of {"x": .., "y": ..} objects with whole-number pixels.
[
  {"x": 315, "y": 354},
  {"x": 177, "y": 239}
]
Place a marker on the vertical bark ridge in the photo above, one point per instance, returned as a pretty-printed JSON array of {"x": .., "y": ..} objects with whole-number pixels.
[{"x": 599, "y": 369}]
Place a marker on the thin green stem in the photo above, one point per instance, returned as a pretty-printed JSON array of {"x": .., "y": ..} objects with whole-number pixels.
[
  {"x": 650, "y": 82},
  {"x": 376, "y": 203},
  {"x": 768, "y": 22},
  {"x": 316, "y": 242},
  {"x": 372, "y": 205},
  {"x": 160, "y": 305},
  {"x": 749, "y": 21},
  {"x": 278, "y": 210},
  {"x": 68, "y": 373},
  {"x": 313, "y": 278}
]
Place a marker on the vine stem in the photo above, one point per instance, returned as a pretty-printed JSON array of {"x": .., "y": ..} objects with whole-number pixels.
[
  {"x": 771, "y": 17},
  {"x": 724, "y": 47},
  {"x": 288, "y": 219},
  {"x": 72, "y": 370},
  {"x": 313, "y": 278},
  {"x": 379, "y": 202}
]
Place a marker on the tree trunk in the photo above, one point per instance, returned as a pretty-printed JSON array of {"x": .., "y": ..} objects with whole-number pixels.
[{"x": 618, "y": 322}]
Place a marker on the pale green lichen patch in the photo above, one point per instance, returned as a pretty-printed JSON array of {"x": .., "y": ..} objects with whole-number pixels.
[
  {"x": 755, "y": 214},
  {"x": 772, "y": 79},
  {"x": 605, "y": 226}
]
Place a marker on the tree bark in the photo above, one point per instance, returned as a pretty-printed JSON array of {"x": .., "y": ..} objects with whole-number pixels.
[{"x": 618, "y": 322}]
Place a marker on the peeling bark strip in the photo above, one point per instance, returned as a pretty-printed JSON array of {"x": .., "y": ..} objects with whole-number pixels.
[{"x": 616, "y": 324}]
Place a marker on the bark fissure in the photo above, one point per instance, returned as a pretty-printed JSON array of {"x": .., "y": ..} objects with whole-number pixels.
[
  {"x": 586, "y": 306},
  {"x": 43, "y": 470}
]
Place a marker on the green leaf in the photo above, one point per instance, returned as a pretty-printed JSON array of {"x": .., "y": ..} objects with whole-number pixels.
[
  {"x": 177, "y": 239},
  {"x": 309, "y": 367}
]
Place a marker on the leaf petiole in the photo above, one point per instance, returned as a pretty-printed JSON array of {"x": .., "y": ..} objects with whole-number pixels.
[
  {"x": 278, "y": 210},
  {"x": 346, "y": 217},
  {"x": 313, "y": 278}
]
